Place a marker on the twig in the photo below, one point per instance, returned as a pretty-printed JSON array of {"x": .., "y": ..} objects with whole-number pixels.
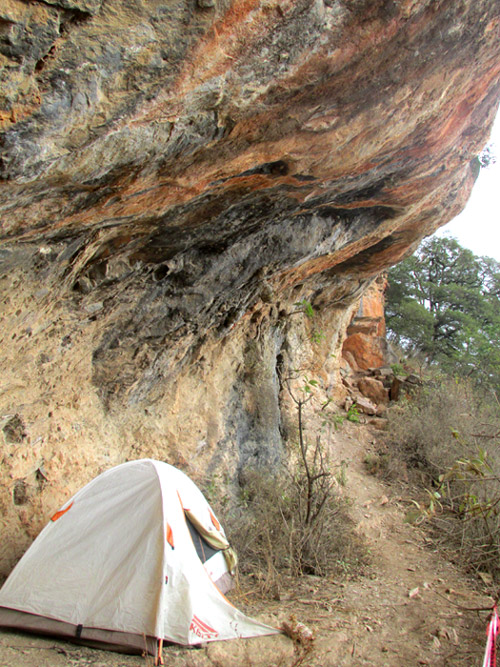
[{"x": 461, "y": 606}]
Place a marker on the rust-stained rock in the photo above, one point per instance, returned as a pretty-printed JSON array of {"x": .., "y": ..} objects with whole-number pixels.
[
  {"x": 175, "y": 179},
  {"x": 366, "y": 350},
  {"x": 365, "y": 337}
]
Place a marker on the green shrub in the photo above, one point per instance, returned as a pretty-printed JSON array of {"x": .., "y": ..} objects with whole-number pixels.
[
  {"x": 353, "y": 414},
  {"x": 398, "y": 369}
]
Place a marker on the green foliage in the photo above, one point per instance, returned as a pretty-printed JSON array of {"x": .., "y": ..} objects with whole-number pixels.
[
  {"x": 353, "y": 414},
  {"x": 309, "y": 385},
  {"x": 334, "y": 418},
  {"x": 445, "y": 303},
  {"x": 307, "y": 308},
  {"x": 317, "y": 336},
  {"x": 398, "y": 369}
]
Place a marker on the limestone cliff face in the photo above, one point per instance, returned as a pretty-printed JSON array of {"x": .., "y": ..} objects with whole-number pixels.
[{"x": 178, "y": 181}]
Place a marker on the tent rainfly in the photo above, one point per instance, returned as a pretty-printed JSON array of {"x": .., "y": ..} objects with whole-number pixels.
[{"x": 134, "y": 558}]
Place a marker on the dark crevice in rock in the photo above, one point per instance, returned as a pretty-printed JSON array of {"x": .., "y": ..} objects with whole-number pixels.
[
  {"x": 14, "y": 430},
  {"x": 72, "y": 18},
  {"x": 374, "y": 213},
  {"x": 40, "y": 64},
  {"x": 20, "y": 493},
  {"x": 365, "y": 259},
  {"x": 277, "y": 168},
  {"x": 368, "y": 192}
]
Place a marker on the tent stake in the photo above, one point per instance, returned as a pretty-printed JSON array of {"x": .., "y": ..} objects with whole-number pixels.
[{"x": 159, "y": 657}]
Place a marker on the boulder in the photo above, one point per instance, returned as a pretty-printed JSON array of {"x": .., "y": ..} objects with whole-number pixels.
[
  {"x": 367, "y": 349},
  {"x": 378, "y": 423},
  {"x": 351, "y": 361},
  {"x": 395, "y": 390},
  {"x": 373, "y": 389},
  {"x": 345, "y": 367},
  {"x": 384, "y": 372},
  {"x": 365, "y": 406}
]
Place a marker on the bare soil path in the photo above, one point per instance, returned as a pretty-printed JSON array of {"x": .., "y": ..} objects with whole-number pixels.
[{"x": 403, "y": 609}]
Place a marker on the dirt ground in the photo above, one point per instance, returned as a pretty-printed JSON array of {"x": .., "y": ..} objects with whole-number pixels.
[{"x": 405, "y": 608}]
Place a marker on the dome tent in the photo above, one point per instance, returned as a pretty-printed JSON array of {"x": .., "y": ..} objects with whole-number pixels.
[{"x": 117, "y": 567}]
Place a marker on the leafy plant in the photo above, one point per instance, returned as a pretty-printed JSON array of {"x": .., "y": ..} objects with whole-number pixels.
[
  {"x": 309, "y": 385},
  {"x": 425, "y": 509},
  {"x": 398, "y": 369},
  {"x": 306, "y": 308},
  {"x": 336, "y": 419},
  {"x": 316, "y": 335},
  {"x": 353, "y": 414}
]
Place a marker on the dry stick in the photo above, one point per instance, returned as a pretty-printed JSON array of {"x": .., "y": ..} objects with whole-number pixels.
[
  {"x": 460, "y": 606},
  {"x": 493, "y": 478},
  {"x": 303, "y": 451},
  {"x": 485, "y": 435}
]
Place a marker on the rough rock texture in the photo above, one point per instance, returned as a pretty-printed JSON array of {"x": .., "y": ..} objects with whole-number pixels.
[
  {"x": 365, "y": 345},
  {"x": 373, "y": 389},
  {"x": 179, "y": 181}
]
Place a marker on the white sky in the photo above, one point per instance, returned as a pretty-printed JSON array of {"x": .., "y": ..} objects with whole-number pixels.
[{"x": 478, "y": 226}]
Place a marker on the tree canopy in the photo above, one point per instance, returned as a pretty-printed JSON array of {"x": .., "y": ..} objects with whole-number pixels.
[{"x": 444, "y": 302}]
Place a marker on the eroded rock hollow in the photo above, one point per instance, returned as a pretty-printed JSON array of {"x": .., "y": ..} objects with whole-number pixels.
[{"x": 179, "y": 181}]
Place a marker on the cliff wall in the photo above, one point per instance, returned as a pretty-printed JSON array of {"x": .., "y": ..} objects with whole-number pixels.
[{"x": 180, "y": 180}]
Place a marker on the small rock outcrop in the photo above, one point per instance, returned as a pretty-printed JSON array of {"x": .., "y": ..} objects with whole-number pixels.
[
  {"x": 365, "y": 345},
  {"x": 193, "y": 198}
]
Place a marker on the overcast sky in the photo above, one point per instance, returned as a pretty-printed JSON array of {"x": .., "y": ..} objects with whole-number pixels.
[{"x": 478, "y": 226}]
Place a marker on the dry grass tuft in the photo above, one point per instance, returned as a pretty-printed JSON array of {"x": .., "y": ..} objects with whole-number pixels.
[
  {"x": 293, "y": 523},
  {"x": 446, "y": 442}
]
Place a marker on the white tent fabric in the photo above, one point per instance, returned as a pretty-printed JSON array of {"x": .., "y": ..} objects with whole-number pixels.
[{"x": 106, "y": 561}]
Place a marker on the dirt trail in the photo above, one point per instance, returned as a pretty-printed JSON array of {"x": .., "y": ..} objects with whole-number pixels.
[{"x": 401, "y": 610}]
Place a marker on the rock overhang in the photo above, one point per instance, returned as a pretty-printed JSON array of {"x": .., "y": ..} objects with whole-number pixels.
[{"x": 176, "y": 161}]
